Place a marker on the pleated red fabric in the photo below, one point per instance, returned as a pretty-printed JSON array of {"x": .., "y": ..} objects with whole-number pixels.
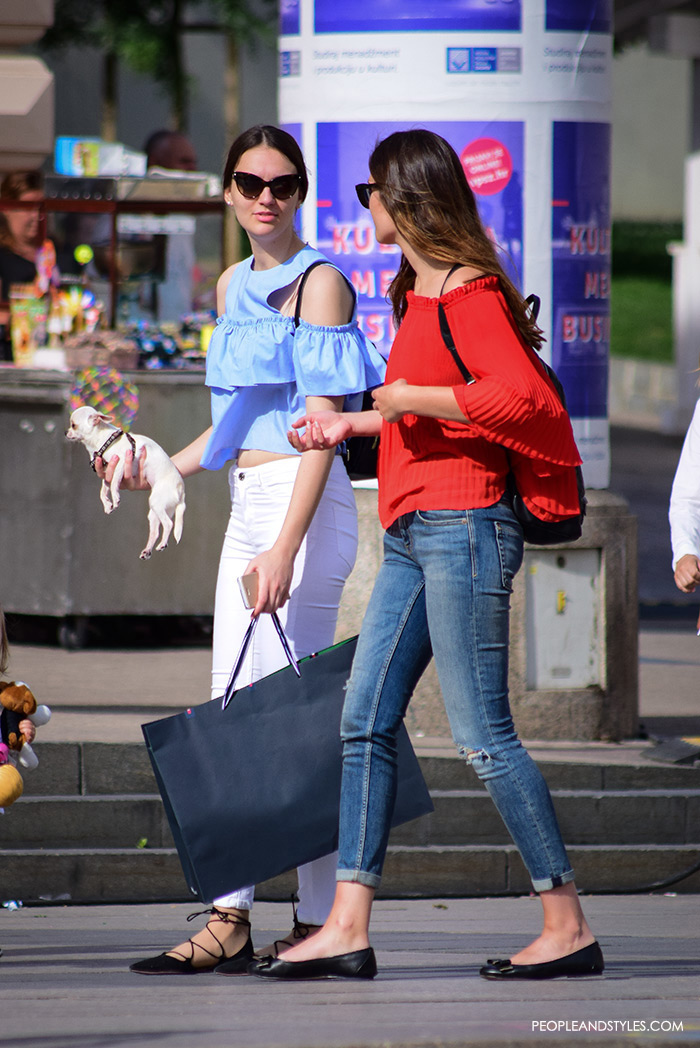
[{"x": 427, "y": 463}]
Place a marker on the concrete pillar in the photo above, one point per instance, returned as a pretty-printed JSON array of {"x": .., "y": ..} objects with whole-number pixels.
[
  {"x": 573, "y": 647},
  {"x": 26, "y": 87}
]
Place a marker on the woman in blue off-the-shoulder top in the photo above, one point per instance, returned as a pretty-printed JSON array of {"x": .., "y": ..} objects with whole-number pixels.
[{"x": 293, "y": 520}]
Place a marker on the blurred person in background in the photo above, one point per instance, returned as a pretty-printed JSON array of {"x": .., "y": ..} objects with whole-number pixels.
[
  {"x": 173, "y": 151},
  {"x": 19, "y": 243}
]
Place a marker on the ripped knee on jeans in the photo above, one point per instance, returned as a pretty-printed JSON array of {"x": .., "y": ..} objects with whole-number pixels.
[{"x": 477, "y": 758}]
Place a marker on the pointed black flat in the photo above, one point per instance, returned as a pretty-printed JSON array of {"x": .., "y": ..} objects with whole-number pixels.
[
  {"x": 238, "y": 964},
  {"x": 164, "y": 964},
  {"x": 588, "y": 961},
  {"x": 361, "y": 964}
]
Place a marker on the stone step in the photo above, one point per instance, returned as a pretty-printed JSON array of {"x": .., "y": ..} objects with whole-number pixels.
[
  {"x": 154, "y": 874},
  {"x": 586, "y": 817},
  {"x": 120, "y": 821},
  {"x": 86, "y": 768}
]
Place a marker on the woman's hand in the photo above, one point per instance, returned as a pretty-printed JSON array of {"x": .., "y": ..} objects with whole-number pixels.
[
  {"x": 392, "y": 401},
  {"x": 322, "y": 430},
  {"x": 27, "y": 729},
  {"x": 131, "y": 481},
  {"x": 274, "y": 570},
  {"x": 687, "y": 573}
]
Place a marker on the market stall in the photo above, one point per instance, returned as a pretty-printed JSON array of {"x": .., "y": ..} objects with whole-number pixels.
[{"x": 99, "y": 334}]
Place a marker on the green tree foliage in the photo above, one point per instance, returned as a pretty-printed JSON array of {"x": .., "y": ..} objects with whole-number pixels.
[{"x": 146, "y": 35}]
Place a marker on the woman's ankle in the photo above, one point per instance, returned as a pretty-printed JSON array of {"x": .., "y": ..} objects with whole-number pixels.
[{"x": 226, "y": 930}]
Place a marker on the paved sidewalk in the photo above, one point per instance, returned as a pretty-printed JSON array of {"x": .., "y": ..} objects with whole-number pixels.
[{"x": 65, "y": 983}]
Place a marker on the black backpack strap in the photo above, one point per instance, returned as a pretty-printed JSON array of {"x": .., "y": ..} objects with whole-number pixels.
[
  {"x": 449, "y": 342},
  {"x": 319, "y": 262},
  {"x": 456, "y": 266},
  {"x": 533, "y": 304}
]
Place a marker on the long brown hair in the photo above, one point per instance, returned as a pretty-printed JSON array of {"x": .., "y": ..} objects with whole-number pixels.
[
  {"x": 425, "y": 191},
  {"x": 13, "y": 187}
]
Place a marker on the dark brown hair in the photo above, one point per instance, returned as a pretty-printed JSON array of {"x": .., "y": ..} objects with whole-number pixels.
[
  {"x": 13, "y": 187},
  {"x": 425, "y": 191},
  {"x": 275, "y": 138}
]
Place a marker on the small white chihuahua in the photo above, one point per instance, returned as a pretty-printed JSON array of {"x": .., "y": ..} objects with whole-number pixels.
[{"x": 167, "y": 499}]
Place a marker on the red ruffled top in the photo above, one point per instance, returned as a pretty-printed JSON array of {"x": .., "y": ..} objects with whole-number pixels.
[{"x": 427, "y": 463}]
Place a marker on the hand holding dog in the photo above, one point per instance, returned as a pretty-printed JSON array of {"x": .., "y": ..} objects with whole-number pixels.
[
  {"x": 129, "y": 481},
  {"x": 114, "y": 450}
]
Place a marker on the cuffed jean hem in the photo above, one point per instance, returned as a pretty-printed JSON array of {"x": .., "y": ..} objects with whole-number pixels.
[
  {"x": 370, "y": 880},
  {"x": 546, "y": 884}
]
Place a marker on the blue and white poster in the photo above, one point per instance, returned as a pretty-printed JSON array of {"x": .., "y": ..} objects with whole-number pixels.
[
  {"x": 523, "y": 94},
  {"x": 289, "y": 17},
  {"x": 385, "y": 16},
  {"x": 581, "y": 264},
  {"x": 579, "y": 16},
  {"x": 492, "y": 157}
]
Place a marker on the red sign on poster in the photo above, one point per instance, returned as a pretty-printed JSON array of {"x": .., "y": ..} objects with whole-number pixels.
[{"x": 487, "y": 165}]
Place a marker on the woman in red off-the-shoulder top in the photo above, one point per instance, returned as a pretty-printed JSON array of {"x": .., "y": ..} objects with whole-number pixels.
[{"x": 452, "y": 548}]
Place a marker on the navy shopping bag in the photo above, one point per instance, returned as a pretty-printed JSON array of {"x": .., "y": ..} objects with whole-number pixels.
[{"x": 251, "y": 786}]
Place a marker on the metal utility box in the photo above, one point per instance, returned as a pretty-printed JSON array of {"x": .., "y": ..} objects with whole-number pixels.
[{"x": 563, "y": 608}]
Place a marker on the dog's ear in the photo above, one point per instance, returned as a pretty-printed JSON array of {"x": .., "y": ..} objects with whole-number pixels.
[{"x": 98, "y": 417}]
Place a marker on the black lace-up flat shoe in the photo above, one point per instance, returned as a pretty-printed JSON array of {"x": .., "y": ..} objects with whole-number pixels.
[
  {"x": 164, "y": 964},
  {"x": 588, "y": 961},
  {"x": 361, "y": 964},
  {"x": 238, "y": 964}
]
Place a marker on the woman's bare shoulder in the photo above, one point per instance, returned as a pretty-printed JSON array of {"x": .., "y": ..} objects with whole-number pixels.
[
  {"x": 222, "y": 285},
  {"x": 327, "y": 298},
  {"x": 463, "y": 275}
]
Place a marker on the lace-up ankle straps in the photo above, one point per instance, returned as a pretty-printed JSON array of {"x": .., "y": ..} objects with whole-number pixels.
[
  {"x": 226, "y": 918},
  {"x": 301, "y": 930}
]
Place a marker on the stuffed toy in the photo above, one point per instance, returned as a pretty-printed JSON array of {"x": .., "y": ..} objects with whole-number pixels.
[{"x": 17, "y": 704}]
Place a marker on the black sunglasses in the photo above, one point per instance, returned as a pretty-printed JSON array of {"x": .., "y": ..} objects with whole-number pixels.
[
  {"x": 251, "y": 186},
  {"x": 364, "y": 192}
]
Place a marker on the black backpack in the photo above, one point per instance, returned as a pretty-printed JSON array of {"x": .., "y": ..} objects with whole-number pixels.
[{"x": 535, "y": 531}]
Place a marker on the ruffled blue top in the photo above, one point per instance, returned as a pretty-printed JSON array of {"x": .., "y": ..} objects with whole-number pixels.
[{"x": 260, "y": 367}]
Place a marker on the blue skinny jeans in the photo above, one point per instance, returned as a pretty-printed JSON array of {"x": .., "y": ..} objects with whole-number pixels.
[{"x": 443, "y": 589}]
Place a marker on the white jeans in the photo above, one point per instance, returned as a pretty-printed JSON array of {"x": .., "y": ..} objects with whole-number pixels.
[{"x": 259, "y": 501}]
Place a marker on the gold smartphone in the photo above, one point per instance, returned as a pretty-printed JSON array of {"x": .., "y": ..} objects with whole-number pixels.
[{"x": 248, "y": 585}]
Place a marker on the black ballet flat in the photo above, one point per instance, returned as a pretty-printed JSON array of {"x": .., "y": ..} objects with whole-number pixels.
[
  {"x": 361, "y": 964},
  {"x": 588, "y": 961},
  {"x": 164, "y": 964},
  {"x": 238, "y": 964}
]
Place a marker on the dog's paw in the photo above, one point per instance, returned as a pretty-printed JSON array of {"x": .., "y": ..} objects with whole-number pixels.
[
  {"x": 145, "y": 554},
  {"x": 163, "y": 545}
]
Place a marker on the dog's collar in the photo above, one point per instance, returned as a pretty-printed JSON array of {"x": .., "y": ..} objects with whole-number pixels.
[{"x": 108, "y": 443}]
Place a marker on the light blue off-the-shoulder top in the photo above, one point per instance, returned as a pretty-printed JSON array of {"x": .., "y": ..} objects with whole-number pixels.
[{"x": 260, "y": 367}]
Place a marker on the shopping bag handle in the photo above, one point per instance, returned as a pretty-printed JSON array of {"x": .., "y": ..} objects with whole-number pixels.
[{"x": 249, "y": 633}]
